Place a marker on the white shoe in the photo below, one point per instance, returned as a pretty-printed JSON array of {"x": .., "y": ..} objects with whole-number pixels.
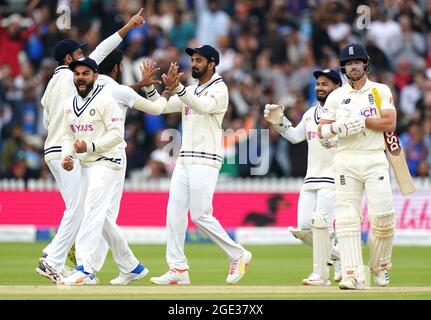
[
  {"x": 381, "y": 278},
  {"x": 316, "y": 280},
  {"x": 173, "y": 276},
  {"x": 337, "y": 270},
  {"x": 79, "y": 278},
  {"x": 48, "y": 271},
  {"x": 351, "y": 284},
  {"x": 238, "y": 267},
  {"x": 124, "y": 279}
]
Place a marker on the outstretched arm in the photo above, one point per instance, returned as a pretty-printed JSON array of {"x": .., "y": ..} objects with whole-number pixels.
[{"x": 113, "y": 41}]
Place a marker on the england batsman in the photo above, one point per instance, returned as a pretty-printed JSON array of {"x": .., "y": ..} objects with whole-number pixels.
[
  {"x": 316, "y": 199},
  {"x": 360, "y": 164},
  {"x": 203, "y": 106},
  {"x": 59, "y": 89}
]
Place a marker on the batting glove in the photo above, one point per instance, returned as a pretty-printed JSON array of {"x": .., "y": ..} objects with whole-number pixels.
[
  {"x": 329, "y": 143},
  {"x": 348, "y": 127}
]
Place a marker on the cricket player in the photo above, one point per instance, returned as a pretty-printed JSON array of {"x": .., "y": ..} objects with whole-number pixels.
[
  {"x": 194, "y": 179},
  {"x": 60, "y": 88},
  {"x": 316, "y": 199},
  {"x": 351, "y": 113},
  {"x": 93, "y": 132},
  {"x": 126, "y": 98}
]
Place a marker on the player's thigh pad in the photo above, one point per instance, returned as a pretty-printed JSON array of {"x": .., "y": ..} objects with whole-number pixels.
[{"x": 381, "y": 239}]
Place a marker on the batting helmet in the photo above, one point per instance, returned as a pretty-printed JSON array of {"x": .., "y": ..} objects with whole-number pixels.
[{"x": 353, "y": 51}]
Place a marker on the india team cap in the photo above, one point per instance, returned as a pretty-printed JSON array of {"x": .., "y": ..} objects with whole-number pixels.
[
  {"x": 66, "y": 46},
  {"x": 329, "y": 73},
  {"x": 207, "y": 51},
  {"x": 84, "y": 62}
]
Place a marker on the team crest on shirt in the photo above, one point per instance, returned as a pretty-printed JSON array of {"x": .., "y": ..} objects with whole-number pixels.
[
  {"x": 92, "y": 112},
  {"x": 371, "y": 98}
]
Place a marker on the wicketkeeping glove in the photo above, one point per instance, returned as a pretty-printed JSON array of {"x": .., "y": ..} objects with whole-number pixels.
[{"x": 273, "y": 113}]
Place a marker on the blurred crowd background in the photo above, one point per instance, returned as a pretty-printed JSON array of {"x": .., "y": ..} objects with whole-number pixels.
[{"x": 269, "y": 50}]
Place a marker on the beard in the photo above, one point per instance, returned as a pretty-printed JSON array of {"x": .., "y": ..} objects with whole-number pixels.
[
  {"x": 322, "y": 98},
  {"x": 83, "y": 92},
  {"x": 198, "y": 74}
]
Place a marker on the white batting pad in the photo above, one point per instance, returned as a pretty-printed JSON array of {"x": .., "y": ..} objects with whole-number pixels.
[
  {"x": 321, "y": 245},
  {"x": 305, "y": 235},
  {"x": 349, "y": 242},
  {"x": 380, "y": 239}
]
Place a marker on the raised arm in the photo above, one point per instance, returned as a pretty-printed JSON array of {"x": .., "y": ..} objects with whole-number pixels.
[{"x": 113, "y": 41}]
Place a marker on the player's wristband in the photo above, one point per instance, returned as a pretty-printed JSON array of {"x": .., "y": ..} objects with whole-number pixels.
[{"x": 326, "y": 130}]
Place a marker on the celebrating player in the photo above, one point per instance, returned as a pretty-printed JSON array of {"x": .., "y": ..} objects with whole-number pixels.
[
  {"x": 60, "y": 88},
  {"x": 316, "y": 199},
  {"x": 93, "y": 132},
  {"x": 194, "y": 179},
  {"x": 358, "y": 113},
  {"x": 109, "y": 72}
]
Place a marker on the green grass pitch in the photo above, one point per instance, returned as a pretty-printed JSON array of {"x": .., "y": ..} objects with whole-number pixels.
[{"x": 274, "y": 273}]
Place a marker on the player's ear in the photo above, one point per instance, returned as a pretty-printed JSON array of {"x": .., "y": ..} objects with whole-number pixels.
[{"x": 96, "y": 75}]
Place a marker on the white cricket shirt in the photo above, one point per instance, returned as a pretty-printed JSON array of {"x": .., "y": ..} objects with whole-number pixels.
[
  {"x": 59, "y": 89},
  {"x": 203, "y": 108},
  {"x": 98, "y": 120},
  {"x": 346, "y": 102},
  {"x": 319, "y": 159}
]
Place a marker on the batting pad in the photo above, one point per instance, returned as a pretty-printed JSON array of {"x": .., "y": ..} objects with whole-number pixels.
[
  {"x": 305, "y": 235},
  {"x": 380, "y": 239},
  {"x": 349, "y": 242},
  {"x": 321, "y": 245}
]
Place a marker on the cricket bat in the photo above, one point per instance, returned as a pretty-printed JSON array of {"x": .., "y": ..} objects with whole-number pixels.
[{"x": 396, "y": 156}]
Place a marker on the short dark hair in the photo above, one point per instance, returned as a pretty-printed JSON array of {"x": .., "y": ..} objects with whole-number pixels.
[{"x": 114, "y": 58}]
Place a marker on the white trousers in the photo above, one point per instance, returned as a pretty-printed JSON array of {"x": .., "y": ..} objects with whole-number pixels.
[
  {"x": 98, "y": 184},
  {"x": 192, "y": 188},
  {"x": 69, "y": 185},
  {"x": 319, "y": 201},
  {"x": 113, "y": 211}
]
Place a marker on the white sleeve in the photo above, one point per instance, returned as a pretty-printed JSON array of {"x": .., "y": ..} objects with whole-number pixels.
[
  {"x": 68, "y": 139},
  {"x": 330, "y": 107},
  {"x": 151, "y": 93},
  {"x": 127, "y": 95},
  {"x": 387, "y": 99},
  {"x": 295, "y": 134},
  {"x": 173, "y": 105},
  {"x": 45, "y": 110},
  {"x": 105, "y": 47},
  {"x": 152, "y": 107},
  {"x": 212, "y": 102}
]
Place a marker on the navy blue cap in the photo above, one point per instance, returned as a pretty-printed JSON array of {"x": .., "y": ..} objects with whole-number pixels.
[
  {"x": 207, "y": 51},
  {"x": 329, "y": 73},
  {"x": 66, "y": 46},
  {"x": 84, "y": 62}
]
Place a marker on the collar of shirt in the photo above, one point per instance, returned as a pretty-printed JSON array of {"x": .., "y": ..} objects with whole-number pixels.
[
  {"x": 215, "y": 76},
  {"x": 80, "y": 99},
  {"x": 366, "y": 86}
]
